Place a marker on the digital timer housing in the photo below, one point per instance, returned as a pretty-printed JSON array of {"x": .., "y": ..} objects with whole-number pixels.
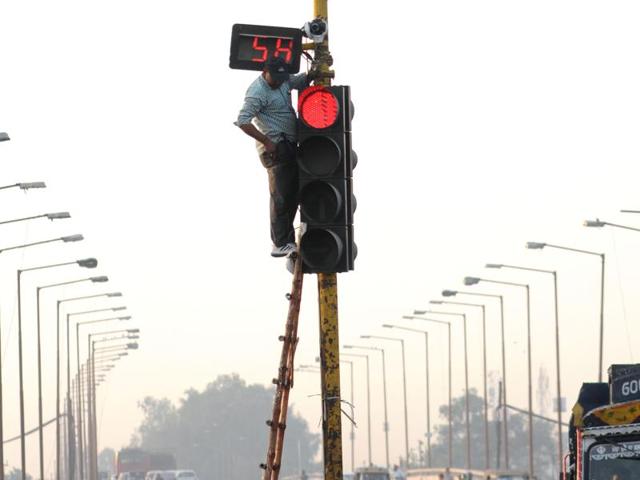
[{"x": 252, "y": 45}]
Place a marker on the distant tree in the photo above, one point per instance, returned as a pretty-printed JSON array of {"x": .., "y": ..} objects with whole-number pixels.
[
  {"x": 16, "y": 474},
  {"x": 107, "y": 460},
  {"x": 544, "y": 446},
  {"x": 220, "y": 432}
]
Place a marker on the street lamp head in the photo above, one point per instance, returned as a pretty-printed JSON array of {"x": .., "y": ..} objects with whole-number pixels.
[
  {"x": 419, "y": 312},
  {"x": 535, "y": 245},
  {"x": 100, "y": 279},
  {"x": 408, "y": 317},
  {"x": 133, "y": 337},
  {"x": 30, "y": 185},
  {"x": 88, "y": 262},
  {"x": 347, "y": 346},
  {"x": 72, "y": 238},
  {"x": 4, "y": 136},
  {"x": 133, "y": 330},
  {"x": 128, "y": 317},
  {"x": 449, "y": 293},
  {"x": 57, "y": 215},
  {"x": 132, "y": 346},
  {"x": 386, "y": 325},
  {"x": 436, "y": 302},
  {"x": 593, "y": 223},
  {"x": 468, "y": 281},
  {"x": 117, "y": 309},
  {"x": 493, "y": 265},
  {"x": 114, "y": 294},
  {"x": 365, "y": 336}
]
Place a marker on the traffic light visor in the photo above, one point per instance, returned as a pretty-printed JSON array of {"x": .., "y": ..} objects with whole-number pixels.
[{"x": 318, "y": 107}]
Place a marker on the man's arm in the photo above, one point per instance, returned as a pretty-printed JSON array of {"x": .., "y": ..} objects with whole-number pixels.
[
  {"x": 251, "y": 130},
  {"x": 299, "y": 81},
  {"x": 249, "y": 110}
]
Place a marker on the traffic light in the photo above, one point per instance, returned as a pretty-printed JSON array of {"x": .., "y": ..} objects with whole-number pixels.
[{"x": 325, "y": 163}]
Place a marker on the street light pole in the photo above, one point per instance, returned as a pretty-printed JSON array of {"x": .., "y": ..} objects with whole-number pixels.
[
  {"x": 352, "y": 434},
  {"x": 92, "y": 424},
  {"x": 384, "y": 396},
  {"x": 505, "y": 429},
  {"x": 40, "y": 414},
  {"x": 71, "y": 468},
  {"x": 466, "y": 375},
  {"x": 88, "y": 263},
  {"x": 599, "y": 223},
  {"x": 474, "y": 280},
  {"x": 25, "y": 185},
  {"x": 449, "y": 414},
  {"x": 404, "y": 390},
  {"x": 366, "y": 357},
  {"x": 428, "y": 401},
  {"x": 484, "y": 371},
  {"x": 50, "y": 216},
  {"x": 540, "y": 246},
  {"x": 554, "y": 274}
]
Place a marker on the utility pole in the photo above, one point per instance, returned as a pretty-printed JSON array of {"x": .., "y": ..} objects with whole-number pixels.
[{"x": 328, "y": 308}]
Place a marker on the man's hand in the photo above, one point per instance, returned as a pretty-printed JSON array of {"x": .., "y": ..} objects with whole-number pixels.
[
  {"x": 253, "y": 132},
  {"x": 312, "y": 75},
  {"x": 269, "y": 146}
]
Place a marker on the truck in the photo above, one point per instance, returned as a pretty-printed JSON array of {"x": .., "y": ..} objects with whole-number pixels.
[{"x": 604, "y": 431}]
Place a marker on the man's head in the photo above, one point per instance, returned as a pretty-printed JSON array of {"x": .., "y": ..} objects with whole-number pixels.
[{"x": 276, "y": 71}]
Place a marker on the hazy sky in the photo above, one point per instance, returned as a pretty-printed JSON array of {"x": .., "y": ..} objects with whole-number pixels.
[{"x": 479, "y": 125}]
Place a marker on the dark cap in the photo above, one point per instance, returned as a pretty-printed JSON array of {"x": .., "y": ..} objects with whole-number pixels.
[{"x": 277, "y": 68}]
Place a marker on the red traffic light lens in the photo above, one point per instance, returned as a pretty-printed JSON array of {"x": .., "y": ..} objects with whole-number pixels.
[{"x": 318, "y": 107}]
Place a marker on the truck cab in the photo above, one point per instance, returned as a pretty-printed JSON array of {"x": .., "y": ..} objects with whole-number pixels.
[{"x": 604, "y": 433}]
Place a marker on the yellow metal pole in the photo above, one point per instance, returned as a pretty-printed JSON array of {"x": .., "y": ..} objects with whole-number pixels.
[
  {"x": 330, "y": 374},
  {"x": 328, "y": 306}
]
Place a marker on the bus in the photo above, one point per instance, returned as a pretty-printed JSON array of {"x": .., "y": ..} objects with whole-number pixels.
[{"x": 140, "y": 461}]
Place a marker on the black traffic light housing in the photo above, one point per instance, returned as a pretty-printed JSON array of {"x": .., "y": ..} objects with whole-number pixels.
[{"x": 326, "y": 162}]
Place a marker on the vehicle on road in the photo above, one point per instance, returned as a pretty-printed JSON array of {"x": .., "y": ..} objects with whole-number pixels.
[
  {"x": 371, "y": 473},
  {"x": 160, "y": 475},
  {"x": 463, "y": 474},
  {"x": 185, "y": 475},
  {"x": 604, "y": 432},
  {"x": 131, "y": 476},
  {"x": 142, "y": 461}
]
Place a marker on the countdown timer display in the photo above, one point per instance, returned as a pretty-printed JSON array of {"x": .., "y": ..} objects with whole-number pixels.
[{"x": 253, "y": 45}]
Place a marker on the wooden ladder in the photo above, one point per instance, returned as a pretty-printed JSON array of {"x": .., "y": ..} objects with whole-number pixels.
[{"x": 278, "y": 422}]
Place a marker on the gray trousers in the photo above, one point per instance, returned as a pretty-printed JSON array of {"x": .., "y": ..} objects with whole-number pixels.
[{"x": 282, "y": 170}]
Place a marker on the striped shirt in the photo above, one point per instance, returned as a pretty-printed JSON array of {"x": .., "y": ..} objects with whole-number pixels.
[{"x": 271, "y": 108}]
